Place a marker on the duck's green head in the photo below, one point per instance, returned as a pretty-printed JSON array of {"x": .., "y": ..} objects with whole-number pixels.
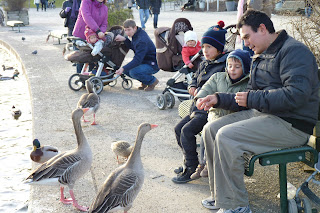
[{"x": 36, "y": 144}]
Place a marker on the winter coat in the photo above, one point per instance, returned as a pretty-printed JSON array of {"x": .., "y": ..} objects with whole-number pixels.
[
  {"x": 68, "y": 22},
  {"x": 91, "y": 13},
  {"x": 283, "y": 82},
  {"x": 155, "y": 6},
  {"x": 189, "y": 51},
  {"x": 206, "y": 69},
  {"x": 144, "y": 50},
  {"x": 143, "y": 4},
  {"x": 221, "y": 82}
]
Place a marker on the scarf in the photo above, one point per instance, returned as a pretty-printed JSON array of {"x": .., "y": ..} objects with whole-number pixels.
[{"x": 75, "y": 9}]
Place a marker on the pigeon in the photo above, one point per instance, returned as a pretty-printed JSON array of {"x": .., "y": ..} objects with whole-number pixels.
[
  {"x": 23, "y": 38},
  {"x": 35, "y": 52},
  {"x": 16, "y": 113}
]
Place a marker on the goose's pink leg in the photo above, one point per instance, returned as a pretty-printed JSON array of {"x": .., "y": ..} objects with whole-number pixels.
[
  {"x": 84, "y": 120},
  {"x": 75, "y": 203},
  {"x": 94, "y": 119},
  {"x": 63, "y": 199}
]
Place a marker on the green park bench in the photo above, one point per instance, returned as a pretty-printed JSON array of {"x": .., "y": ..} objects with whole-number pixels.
[
  {"x": 15, "y": 23},
  {"x": 307, "y": 154}
]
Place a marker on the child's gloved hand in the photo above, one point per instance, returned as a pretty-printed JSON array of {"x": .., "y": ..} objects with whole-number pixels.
[
  {"x": 67, "y": 9},
  {"x": 190, "y": 65}
]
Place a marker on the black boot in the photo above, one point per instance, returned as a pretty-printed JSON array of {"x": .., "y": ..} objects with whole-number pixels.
[{"x": 184, "y": 177}]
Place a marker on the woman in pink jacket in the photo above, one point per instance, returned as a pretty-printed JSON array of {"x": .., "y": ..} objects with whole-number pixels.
[{"x": 94, "y": 14}]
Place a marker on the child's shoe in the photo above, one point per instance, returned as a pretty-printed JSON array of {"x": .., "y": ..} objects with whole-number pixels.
[
  {"x": 196, "y": 174},
  {"x": 204, "y": 172}
]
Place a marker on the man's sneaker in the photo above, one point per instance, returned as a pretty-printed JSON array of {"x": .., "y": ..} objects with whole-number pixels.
[
  {"x": 178, "y": 170},
  {"x": 204, "y": 172},
  {"x": 196, "y": 174},
  {"x": 152, "y": 86},
  {"x": 142, "y": 87},
  {"x": 237, "y": 210},
  {"x": 184, "y": 176},
  {"x": 209, "y": 203}
]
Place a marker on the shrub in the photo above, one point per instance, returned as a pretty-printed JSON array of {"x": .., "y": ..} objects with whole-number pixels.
[
  {"x": 14, "y": 5},
  {"x": 117, "y": 17}
]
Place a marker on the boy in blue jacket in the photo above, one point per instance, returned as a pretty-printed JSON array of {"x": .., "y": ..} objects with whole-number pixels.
[{"x": 144, "y": 63}]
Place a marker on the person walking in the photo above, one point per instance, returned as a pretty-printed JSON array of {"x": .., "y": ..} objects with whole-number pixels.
[
  {"x": 94, "y": 14},
  {"x": 155, "y": 9},
  {"x": 44, "y": 5},
  {"x": 70, "y": 11},
  {"x": 143, "y": 6},
  {"x": 37, "y": 3}
]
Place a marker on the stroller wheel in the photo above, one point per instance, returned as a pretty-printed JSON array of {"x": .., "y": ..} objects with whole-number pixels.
[
  {"x": 161, "y": 102},
  {"x": 97, "y": 84},
  {"x": 292, "y": 206},
  {"x": 170, "y": 100},
  {"x": 306, "y": 205},
  {"x": 126, "y": 84},
  {"x": 75, "y": 82}
]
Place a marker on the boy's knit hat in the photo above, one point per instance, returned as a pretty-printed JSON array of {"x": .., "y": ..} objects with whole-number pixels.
[
  {"x": 88, "y": 32},
  {"x": 244, "y": 57},
  {"x": 190, "y": 36},
  {"x": 215, "y": 36}
]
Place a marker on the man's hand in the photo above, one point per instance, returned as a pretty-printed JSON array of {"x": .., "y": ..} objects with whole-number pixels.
[
  {"x": 192, "y": 91},
  {"x": 120, "y": 38},
  {"x": 207, "y": 102},
  {"x": 241, "y": 98},
  {"x": 101, "y": 35},
  {"x": 119, "y": 71}
]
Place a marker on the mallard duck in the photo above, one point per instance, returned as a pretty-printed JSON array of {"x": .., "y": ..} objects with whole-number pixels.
[
  {"x": 41, "y": 154},
  {"x": 123, "y": 184},
  {"x": 121, "y": 148},
  {"x": 90, "y": 100},
  {"x": 16, "y": 113},
  {"x": 66, "y": 168}
]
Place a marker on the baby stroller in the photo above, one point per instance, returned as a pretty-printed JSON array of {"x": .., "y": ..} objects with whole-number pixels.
[
  {"x": 107, "y": 61},
  {"x": 169, "y": 42}
]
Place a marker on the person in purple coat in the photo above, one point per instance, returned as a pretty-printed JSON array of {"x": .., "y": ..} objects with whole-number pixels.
[{"x": 94, "y": 14}]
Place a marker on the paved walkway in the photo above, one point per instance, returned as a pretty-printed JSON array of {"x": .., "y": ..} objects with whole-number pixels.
[{"x": 119, "y": 116}]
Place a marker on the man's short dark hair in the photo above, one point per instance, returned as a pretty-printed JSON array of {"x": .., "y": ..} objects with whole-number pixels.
[
  {"x": 129, "y": 23},
  {"x": 254, "y": 18}
]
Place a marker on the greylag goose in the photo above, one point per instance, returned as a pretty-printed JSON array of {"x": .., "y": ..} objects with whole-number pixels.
[
  {"x": 41, "y": 154},
  {"x": 16, "y": 113},
  {"x": 89, "y": 100},
  {"x": 66, "y": 168},
  {"x": 121, "y": 148},
  {"x": 124, "y": 183}
]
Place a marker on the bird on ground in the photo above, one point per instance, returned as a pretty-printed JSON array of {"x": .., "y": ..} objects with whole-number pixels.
[
  {"x": 121, "y": 148},
  {"x": 35, "y": 52},
  {"x": 124, "y": 183},
  {"x": 16, "y": 113},
  {"x": 23, "y": 38},
  {"x": 41, "y": 154},
  {"x": 89, "y": 100},
  {"x": 66, "y": 168}
]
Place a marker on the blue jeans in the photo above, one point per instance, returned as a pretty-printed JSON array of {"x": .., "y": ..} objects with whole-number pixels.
[
  {"x": 143, "y": 73},
  {"x": 144, "y": 15},
  {"x": 308, "y": 11},
  {"x": 155, "y": 20}
]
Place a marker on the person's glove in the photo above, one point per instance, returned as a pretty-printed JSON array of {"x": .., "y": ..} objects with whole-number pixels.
[{"x": 67, "y": 9}]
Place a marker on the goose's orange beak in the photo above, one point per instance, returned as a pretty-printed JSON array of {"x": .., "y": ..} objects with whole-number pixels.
[
  {"x": 153, "y": 126},
  {"x": 85, "y": 110}
]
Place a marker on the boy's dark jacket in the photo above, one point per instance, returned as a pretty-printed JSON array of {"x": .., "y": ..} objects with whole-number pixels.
[
  {"x": 68, "y": 22},
  {"x": 144, "y": 50}
]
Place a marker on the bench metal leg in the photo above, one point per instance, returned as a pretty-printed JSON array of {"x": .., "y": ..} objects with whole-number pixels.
[{"x": 283, "y": 187}]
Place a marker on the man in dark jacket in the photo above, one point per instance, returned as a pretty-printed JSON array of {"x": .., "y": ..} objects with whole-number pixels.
[
  {"x": 279, "y": 110},
  {"x": 143, "y": 6},
  {"x": 155, "y": 8},
  {"x": 144, "y": 63},
  {"x": 70, "y": 10}
]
